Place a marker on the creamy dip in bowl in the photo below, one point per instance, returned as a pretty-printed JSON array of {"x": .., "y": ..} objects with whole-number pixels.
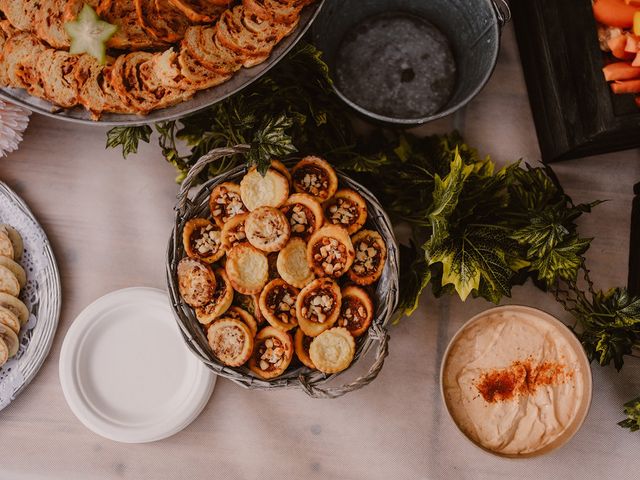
[{"x": 516, "y": 381}]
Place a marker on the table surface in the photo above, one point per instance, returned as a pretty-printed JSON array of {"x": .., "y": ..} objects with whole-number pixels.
[{"x": 109, "y": 220}]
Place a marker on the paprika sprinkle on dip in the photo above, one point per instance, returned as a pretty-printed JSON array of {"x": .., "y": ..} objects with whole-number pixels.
[{"x": 515, "y": 380}]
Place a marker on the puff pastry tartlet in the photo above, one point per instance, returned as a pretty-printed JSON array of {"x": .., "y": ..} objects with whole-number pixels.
[
  {"x": 318, "y": 306},
  {"x": 10, "y": 339},
  {"x": 315, "y": 176},
  {"x": 8, "y": 318},
  {"x": 247, "y": 268},
  {"x": 250, "y": 303},
  {"x": 202, "y": 240},
  {"x": 330, "y": 251},
  {"x": 220, "y": 300},
  {"x": 333, "y": 351},
  {"x": 280, "y": 167},
  {"x": 196, "y": 282},
  {"x": 292, "y": 263},
  {"x": 225, "y": 203},
  {"x": 371, "y": 254},
  {"x": 347, "y": 209},
  {"x": 272, "y": 353},
  {"x": 244, "y": 316},
  {"x": 304, "y": 214},
  {"x": 8, "y": 282},
  {"x": 16, "y": 240},
  {"x": 278, "y": 304},
  {"x": 233, "y": 232},
  {"x": 267, "y": 229},
  {"x": 301, "y": 344},
  {"x": 356, "y": 311},
  {"x": 6, "y": 247},
  {"x": 231, "y": 341},
  {"x": 272, "y": 190}
]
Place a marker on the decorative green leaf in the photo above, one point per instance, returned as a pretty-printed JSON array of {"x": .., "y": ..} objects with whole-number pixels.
[
  {"x": 632, "y": 411},
  {"x": 128, "y": 138},
  {"x": 271, "y": 142},
  {"x": 561, "y": 262},
  {"x": 414, "y": 278}
]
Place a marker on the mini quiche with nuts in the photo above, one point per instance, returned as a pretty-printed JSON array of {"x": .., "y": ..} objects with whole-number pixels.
[{"x": 288, "y": 249}]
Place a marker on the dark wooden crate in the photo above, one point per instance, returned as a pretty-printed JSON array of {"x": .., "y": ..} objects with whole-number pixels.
[{"x": 574, "y": 111}]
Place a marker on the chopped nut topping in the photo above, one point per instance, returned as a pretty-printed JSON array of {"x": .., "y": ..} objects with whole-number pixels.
[
  {"x": 271, "y": 354},
  {"x": 311, "y": 179},
  {"x": 206, "y": 241},
  {"x": 318, "y": 306},
  {"x": 282, "y": 302},
  {"x": 367, "y": 257},
  {"x": 228, "y": 205},
  {"x": 352, "y": 313},
  {"x": 330, "y": 255},
  {"x": 300, "y": 218},
  {"x": 342, "y": 212}
]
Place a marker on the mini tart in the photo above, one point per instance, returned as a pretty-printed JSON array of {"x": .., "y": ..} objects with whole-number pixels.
[
  {"x": 202, "y": 240},
  {"x": 302, "y": 343},
  {"x": 304, "y": 214},
  {"x": 280, "y": 167},
  {"x": 10, "y": 339},
  {"x": 371, "y": 255},
  {"x": 318, "y": 306},
  {"x": 16, "y": 240},
  {"x": 8, "y": 282},
  {"x": 256, "y": 191},
  {"x": 233, "y": 232},
  {"x": 247, "y": 268},
  {"x": 16, "y": 306},
  {"x": 267, "y": 229},
  {"x": 292, "y": 263},
  {"x": 196, "y": 282},
  {"x": 244, "y": 316},
  {"x": 4, "y": 353},
  {"x": 356, "y": 311},
  {"x": 347, "y": 209},
  {"x": 316, "y": 177},
  {"x": 220, "y": 301},
  {"x": 278, "y": 304},
  {"x": 333, "y": 351},
  {"x": 250, "y": 303},
  {"x": 231, "y": 341},
  {"x": 17, "y": 270},
  {"x": 225, "y": 203},
  {"x": 330, "y": 251},
  {"x": 8, "y": 318},
  {"x": 272, "y": 353}
]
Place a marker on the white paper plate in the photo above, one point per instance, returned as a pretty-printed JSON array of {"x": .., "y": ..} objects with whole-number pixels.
[{"x": 125, "y": 371}]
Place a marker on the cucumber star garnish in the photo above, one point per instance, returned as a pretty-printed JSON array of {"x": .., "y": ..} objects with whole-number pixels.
[{"x": 89, "y": 34}]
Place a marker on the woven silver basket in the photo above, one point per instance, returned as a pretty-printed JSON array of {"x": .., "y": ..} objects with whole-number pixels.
[{"x": 312, "y": 382}]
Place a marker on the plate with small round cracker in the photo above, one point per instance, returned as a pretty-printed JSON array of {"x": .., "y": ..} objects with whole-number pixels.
[{"x": 30, "y": 297}]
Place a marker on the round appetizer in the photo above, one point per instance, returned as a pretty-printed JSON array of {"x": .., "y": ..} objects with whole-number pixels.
[
  {"x": 356, "y": 312},
  {"x": 8, "y": 282},
  {"x": 302, "y": 343},
  {"x": 196, "y": 282},
  {"x": 233, "y": 232},
  {"x": 278, "y": 304},
  {"x": 247, "y": 268},
  {"x": 16, "y": 240},
  {"x": 244, "y": 316},
  {"x": 270, "y": 190},
  {"x": 330, "y": 251},
  {"x": 9, "y": 319},
  {"x": 225, "y": 203},
  {"x": 231, "y": 341},
  {"x": 249, "y": 303},
  {"x": 318, "y": 306},
  {"x": 267, "y": 229},
  {"x": 202, "y": 240},
  {"x": 4, "y": 353},
  {"x": 333, "y": 351},
  {"x": 516, "y": 380},
  {"x": 16, "y": 269},
  {"x": 277, "y": 165},
  {"x": 371, "y": 254},
  {"x": 304, "y": 214},
  {"x": 6, "y": 247},
  {"x": 347, "y": 209},
  {"x": 220, "y": 300},
  {"x": 292, "y": 264},
  {"x": 272, "y": 353},
  {"x": 315, "y": 176}
]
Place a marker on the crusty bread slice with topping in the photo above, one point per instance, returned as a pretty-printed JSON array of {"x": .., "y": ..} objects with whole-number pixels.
[
  {"x": 71, "y": 8},
  {"x": 202, "y": 44},
  {"x": 17, "y": 61},
  {"x": 21, "y": 13},
  {"x": 49, "y": 23},
  {"x": 56, "y": 68},
  {"x": 133, "y": 80},
  {"x": 130, "y": 35},
  {"x": 161, "y": 20},
  {"x": 201, "y": 11},
  {"x": 95, "y": 92},
  {"x": 196, "y": 74}
]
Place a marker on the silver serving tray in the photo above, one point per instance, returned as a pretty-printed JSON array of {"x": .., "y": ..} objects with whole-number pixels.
[
  {"x": 41, "y": 295},
  {"x": 199, "y": 101}
]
